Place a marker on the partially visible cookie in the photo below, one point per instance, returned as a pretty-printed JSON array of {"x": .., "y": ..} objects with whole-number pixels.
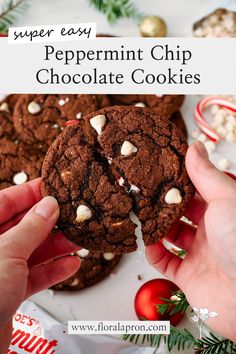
[
  {"x": 165, "y": 105},
  {"x": 94, "y": 267},
  {"x": 148, "y": 154},
  {"x": 19, "y": 163},
  {"x": 8, "y": 103},
  {"x": 39, "y": 119},
  {"x": 7, "y": 129},
  {"x": 94, "y": 209}
]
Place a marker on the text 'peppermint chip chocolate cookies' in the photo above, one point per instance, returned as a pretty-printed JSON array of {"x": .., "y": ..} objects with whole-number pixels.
[
  {"x": 94, "y": 267},
  {"x": 39, "y": 119},
  {"x": 116, "y": 160}
]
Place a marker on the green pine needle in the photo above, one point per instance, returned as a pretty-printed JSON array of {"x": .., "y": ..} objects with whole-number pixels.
[
  {"x": 10, "y": 11},
  {"x": 180, "y": 304},
  {"x": 117, "y": 9},
  {"x": 182, "y": 339}
]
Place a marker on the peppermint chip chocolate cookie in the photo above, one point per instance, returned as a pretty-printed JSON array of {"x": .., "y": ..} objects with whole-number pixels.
[
  {"x": 165, "y": 105},
  {"x": 39, "y": 119},
  {"x": 118, "y": 160},
  {"x": 19, "y": 163},
  {"x": 148, "y": 153},
  {"x": 94, "y": 208},
  {"x": 94, "y": 267},
  {"x": 7, "y": 129}
]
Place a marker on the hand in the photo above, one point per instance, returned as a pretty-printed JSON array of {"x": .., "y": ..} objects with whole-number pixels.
[
  {"x": 29, "y": 259},
  {"x": 207, "y": 275}
]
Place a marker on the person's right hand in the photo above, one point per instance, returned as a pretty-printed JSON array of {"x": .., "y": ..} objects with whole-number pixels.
[{"x": 207, "y": 275}]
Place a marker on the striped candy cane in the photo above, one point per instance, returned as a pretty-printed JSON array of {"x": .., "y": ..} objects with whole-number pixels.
[{"x": 200, "y": 118}]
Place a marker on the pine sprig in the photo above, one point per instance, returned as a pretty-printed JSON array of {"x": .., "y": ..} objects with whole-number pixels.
[
  {"x": 117, "y": 9},
  {"x": 183, "y": 339},
  {"x": 214, "y": 345},
  {"x": 10, "y": 11},
  {"x": 178, "y": 303}
]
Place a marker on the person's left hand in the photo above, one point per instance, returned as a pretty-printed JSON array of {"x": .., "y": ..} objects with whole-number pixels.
[{"x": 30, "y": 256}]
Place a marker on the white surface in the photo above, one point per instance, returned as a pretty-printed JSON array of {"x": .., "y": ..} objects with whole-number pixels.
[{"x": 113, "y": 298}]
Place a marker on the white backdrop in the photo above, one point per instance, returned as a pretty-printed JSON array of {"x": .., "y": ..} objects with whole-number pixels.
[{"x": 113, "y": 298}]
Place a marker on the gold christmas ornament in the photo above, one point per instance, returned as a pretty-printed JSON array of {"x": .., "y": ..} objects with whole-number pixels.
[{"x": 153, "y": 26}]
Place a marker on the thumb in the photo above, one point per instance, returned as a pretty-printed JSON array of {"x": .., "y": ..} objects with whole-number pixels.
[
  {"x": 209, "y": 181},
  {"x": 32, "y": 230}
]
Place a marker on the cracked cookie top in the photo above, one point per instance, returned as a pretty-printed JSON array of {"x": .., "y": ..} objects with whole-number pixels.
[
  {"x": 94, "y": 209},
  {"x": 148, "y": 154},
  {"x": 116, "y": 160}
]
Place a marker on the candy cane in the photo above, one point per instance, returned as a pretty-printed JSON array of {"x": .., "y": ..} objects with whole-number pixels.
[{"x": 199, "y": 114}]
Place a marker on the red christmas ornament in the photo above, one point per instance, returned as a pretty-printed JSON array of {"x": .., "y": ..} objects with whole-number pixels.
[{"x": 150, "y": 295}]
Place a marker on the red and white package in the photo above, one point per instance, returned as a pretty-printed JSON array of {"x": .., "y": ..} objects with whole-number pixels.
[{"x": 37, "y": 332}]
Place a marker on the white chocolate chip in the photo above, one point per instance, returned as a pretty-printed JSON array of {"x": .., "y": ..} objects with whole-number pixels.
[
  {"x": 55, "y": 126},
  {"x": 4, "y": 107},
  {"x": 79, "y": 115},
  {"x": 134, "y": 188},
  {"x": 20, "y": 178},
  {"x": 75, "y": 282},
  {"x": 62, "y": 102},
  {"x": 82, "y": 253},
  {"x": 223, "y": 164},
  {"x": 127, "y": 148},
  {"x": 108, "y": 256},
  {"x": 173, "y": 196},
  {"x": 83, "y": 213},
  {"x": 140, "y": 104},
  {"x": 98, "y": 123},
  {"x": 34, "y": 107}
]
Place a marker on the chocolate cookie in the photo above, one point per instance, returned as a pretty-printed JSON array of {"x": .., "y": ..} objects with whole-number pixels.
[
  {"x": 94, "y": 208},
  {"x": 8, "y": 103},
  {"x": 7, "y": 129},
  {"x": 39, "y": 119},
  {"x": 165, "y": 105},
  {"x": 148, "y": 153},
  {"x": 115, "y": 160},
  {"x": 19, "y": 163},
  {"x": 94, "y": 267}
]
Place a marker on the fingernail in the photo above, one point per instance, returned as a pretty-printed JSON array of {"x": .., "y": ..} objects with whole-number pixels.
[
  {"x": 202, "y": 151},
  {"x": 46, "y": 207}
]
